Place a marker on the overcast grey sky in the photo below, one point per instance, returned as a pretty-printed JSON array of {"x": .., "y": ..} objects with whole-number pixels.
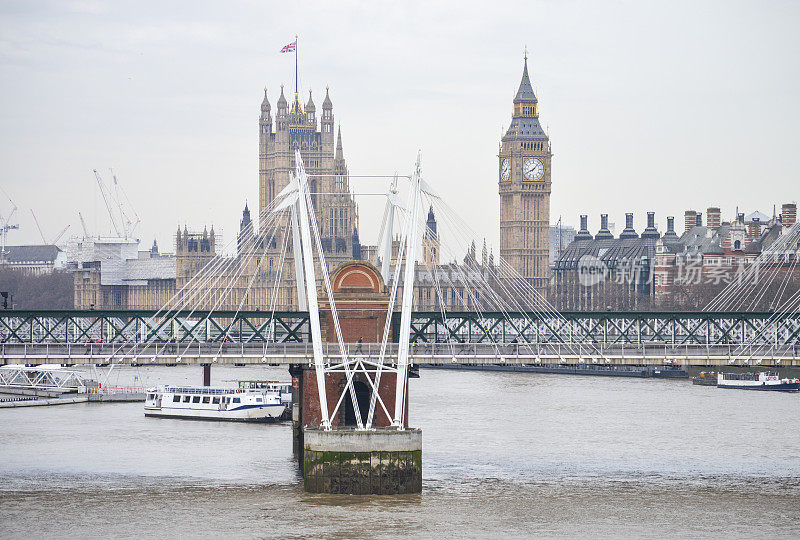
[{"x": 657, "y": 106}]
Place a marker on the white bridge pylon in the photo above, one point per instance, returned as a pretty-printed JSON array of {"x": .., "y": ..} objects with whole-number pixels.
[{"x": 295, "y": 198}]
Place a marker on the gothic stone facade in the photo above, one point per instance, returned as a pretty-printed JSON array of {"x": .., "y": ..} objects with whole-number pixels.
[{"x": 524, "y": 185}]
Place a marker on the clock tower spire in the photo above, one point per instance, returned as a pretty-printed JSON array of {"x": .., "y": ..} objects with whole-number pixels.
[{"x": 524, "y": 187}]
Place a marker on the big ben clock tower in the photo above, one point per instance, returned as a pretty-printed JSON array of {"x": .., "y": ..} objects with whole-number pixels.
[{"x": 524, "y": 179}]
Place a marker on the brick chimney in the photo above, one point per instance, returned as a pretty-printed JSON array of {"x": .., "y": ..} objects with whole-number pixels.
[
  {"x": 690, "y": 219},
  {"x": 713, "y": 218},
  {"x": 789, "y": 214},
  {"x": 754, "y": 228}
]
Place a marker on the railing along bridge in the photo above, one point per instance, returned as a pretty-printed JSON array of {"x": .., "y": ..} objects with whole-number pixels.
[
  {"x": 678, "y": 328},
  {"x": 257, "y": 337}
]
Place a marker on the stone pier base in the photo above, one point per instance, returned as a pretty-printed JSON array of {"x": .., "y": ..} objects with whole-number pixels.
[{"x": 383, "y": 461}]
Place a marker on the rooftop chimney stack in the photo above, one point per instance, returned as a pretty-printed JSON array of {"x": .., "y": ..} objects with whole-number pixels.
[
  {"x": 651, "y": 231},
  {"x": 584, "y": 233},
  {"x": 714, "y": 218},
  {"x": 690, "y": 219},
  {"x": 603, "y": 233},
  {"x": 789, "y": 214},
  {"x": 670, "y": 234},
  {"x": 629, "y": 231}
]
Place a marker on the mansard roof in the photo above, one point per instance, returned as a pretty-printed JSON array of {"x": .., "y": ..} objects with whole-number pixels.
[
  {"x": 611, "y": 251},
  {"x": 32, "y": 254}
]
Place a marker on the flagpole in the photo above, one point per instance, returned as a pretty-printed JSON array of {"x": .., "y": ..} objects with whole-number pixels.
[{"x": 296, "y": 44}]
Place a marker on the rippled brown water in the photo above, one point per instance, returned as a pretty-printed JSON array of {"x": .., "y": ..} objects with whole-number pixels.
[{"x": 504, "y": 455}]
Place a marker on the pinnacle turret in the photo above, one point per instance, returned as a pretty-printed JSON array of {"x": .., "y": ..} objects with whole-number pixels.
[
  {"x": 310, "y": 108},
  {"x": 339, "y": 150},
  {"x": 282, "y": 104},
  {"x": 525, "y": 92},
  {"x": 327, "y": 104},
  {"x": 430, "y": 225}
]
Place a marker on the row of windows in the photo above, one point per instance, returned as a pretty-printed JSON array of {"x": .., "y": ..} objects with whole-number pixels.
[
  {"x": 533, "y": 145},
  {"x": 206, "y": 399}
]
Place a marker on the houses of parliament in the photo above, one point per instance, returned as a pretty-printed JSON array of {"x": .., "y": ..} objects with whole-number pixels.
[{"x": 260, "y": 275}]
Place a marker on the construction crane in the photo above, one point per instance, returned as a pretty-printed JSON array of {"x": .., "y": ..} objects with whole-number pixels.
[
  {"x": 106, "y": 196},
  {"x": 124, "y": 224},
  {"x": 129, "y": 223},
  {"x": 41, "y": 232},
  {"x": 83, "y": 224},
  {"x": 7, "y": 226},
  {"x": 59, "y": 235}
]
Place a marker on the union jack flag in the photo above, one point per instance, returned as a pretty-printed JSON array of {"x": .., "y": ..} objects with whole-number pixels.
[{"x": 290, "y": 47}]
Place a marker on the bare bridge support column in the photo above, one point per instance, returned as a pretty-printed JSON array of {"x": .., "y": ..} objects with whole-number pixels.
[{"x": 206, "y": 374}]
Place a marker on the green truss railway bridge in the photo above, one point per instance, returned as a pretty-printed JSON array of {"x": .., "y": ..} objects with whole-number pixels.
[{"x": 667, "y": 338}]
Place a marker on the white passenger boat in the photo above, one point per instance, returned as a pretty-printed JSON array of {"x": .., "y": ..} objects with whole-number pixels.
[
  {"x": 251, "y": 402},
  {"x": 765, "y": 380}
]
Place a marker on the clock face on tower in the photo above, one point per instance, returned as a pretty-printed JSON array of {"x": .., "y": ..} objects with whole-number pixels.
[
  {"x": 533, "y": 169},
  {"x": 505, "y": 169}
]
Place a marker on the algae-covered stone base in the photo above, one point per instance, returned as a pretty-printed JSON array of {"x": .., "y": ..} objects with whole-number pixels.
[{"x": 355, "y": 463}]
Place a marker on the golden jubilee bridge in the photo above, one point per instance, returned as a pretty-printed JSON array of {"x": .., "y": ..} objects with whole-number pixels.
[{"x": 142, "y": 337}]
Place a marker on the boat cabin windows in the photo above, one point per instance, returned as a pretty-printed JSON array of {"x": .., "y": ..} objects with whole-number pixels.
[
  {"x": 215, "y": 401},
  {"x": 176, "y": 398},
  {"x": 186, "y": 399},
  {"x": 259, "y": 400},
  {"x": 206, "y": 399},
  {"x": 237, "y": 400},
  {"x": 195, "y": 399}
]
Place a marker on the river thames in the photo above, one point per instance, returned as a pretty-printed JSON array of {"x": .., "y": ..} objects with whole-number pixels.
[{"x": 504, "y": 454}]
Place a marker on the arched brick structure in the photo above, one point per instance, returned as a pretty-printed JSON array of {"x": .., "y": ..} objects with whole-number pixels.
[
  {"x": 357, "y": 277},
  {"x": 362, "y": 300}
]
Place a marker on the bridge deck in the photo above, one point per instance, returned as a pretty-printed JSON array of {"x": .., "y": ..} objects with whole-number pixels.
[{"x": 425, "y": 354}]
